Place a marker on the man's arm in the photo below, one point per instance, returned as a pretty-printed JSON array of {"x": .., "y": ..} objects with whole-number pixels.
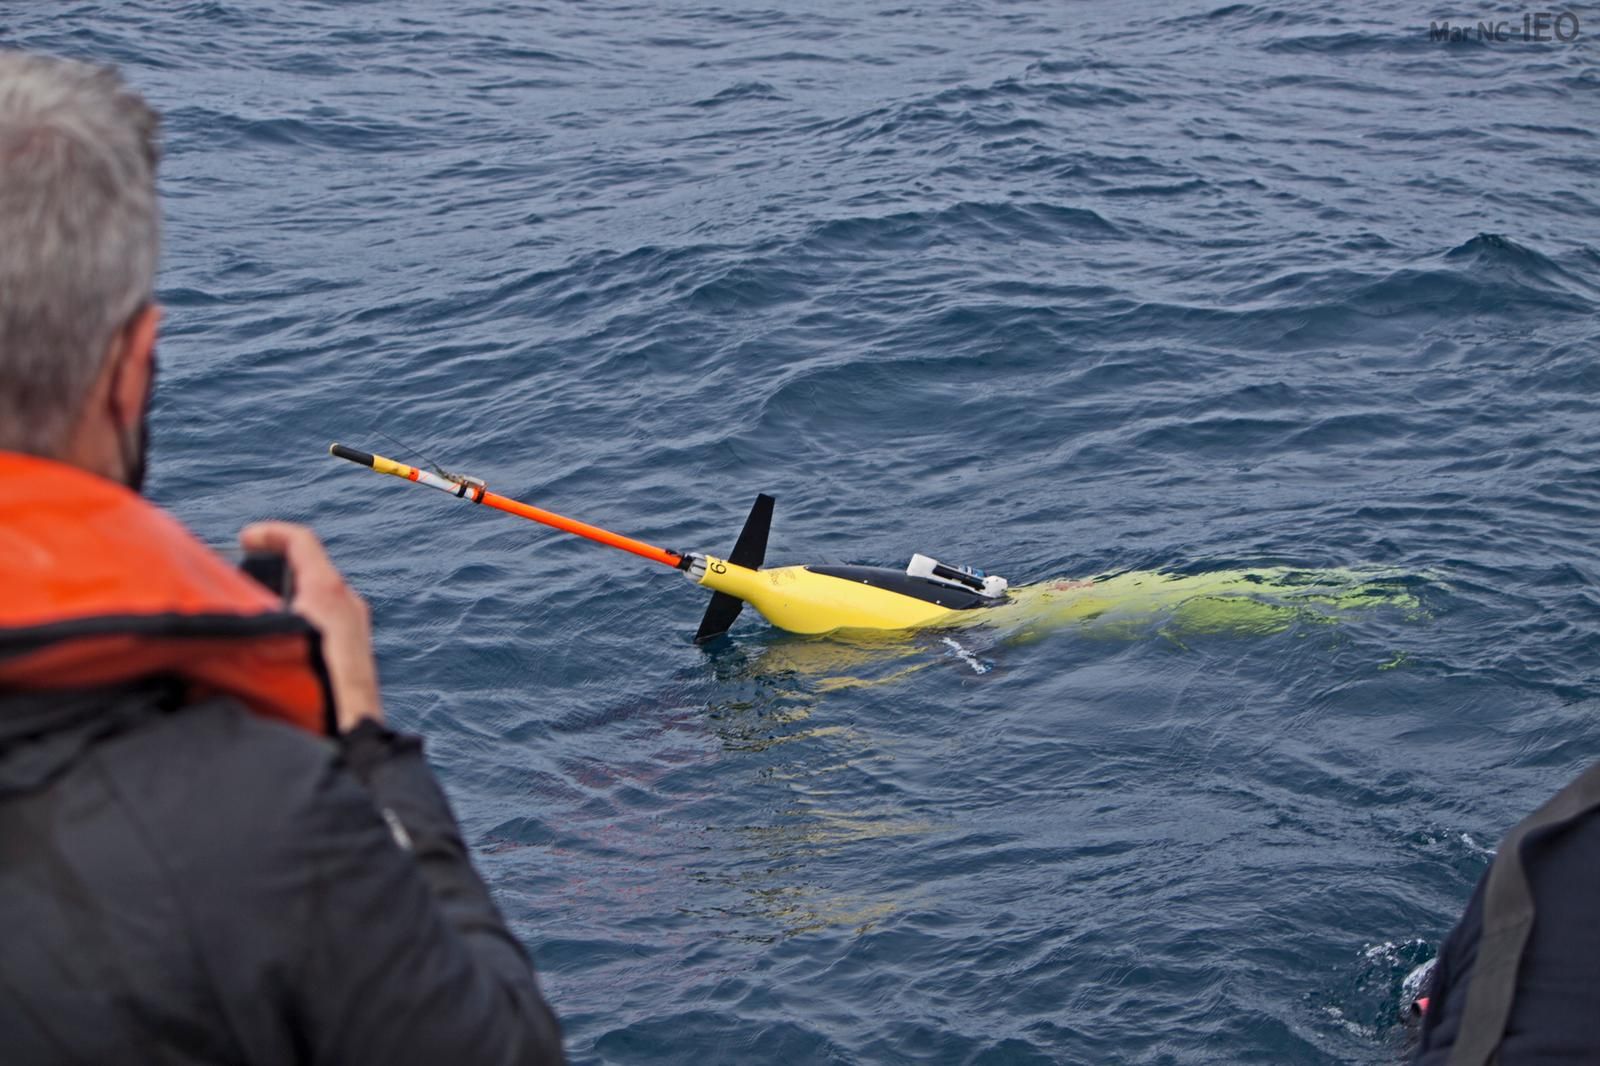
[
  {"x": 404, "y": 957},
  {"x": 1446, "y": 992}
]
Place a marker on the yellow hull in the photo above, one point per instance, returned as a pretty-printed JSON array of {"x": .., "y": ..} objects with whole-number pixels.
[{"x": 796, "y": 599}]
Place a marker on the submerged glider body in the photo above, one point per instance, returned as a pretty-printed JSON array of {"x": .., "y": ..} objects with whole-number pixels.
[
  {"x": 824, "y": 599},
  {"x": 929, "y": 594}
]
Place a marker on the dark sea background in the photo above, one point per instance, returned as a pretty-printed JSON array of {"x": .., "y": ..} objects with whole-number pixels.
[{"x": 1054, "y": 289}]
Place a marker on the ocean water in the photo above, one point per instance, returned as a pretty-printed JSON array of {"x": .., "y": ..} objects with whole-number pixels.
[{"x": 1057, "y": 290}]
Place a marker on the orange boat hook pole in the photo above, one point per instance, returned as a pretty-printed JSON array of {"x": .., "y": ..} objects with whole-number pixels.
[{"x": 471, "y": 488}]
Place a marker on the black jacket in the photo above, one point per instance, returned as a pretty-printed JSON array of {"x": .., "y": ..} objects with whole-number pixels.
[
  {"x": 1543, "y": 958},
  {"x": 194, "y": 884}
]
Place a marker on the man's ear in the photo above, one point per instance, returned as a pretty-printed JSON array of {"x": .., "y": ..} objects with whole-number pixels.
[{"x": 133, "y": 355}]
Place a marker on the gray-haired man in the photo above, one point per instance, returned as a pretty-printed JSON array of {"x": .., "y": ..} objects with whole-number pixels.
[{"x": 211, "y": 849}]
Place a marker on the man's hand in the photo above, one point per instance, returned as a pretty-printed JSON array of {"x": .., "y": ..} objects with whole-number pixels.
[{"x": 322, "y": 597}]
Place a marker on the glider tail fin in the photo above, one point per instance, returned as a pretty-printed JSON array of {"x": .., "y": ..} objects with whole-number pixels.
[{"x": 749, "y": 552}]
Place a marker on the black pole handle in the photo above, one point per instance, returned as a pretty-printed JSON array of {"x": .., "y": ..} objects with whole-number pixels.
[{"x": 361, "y": 458}]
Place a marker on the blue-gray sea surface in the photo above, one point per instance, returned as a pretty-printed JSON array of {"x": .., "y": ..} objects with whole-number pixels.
[{"x": 1053, "y": 289}]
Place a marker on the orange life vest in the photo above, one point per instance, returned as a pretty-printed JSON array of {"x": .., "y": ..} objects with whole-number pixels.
[{"x": 99, "y": 586}]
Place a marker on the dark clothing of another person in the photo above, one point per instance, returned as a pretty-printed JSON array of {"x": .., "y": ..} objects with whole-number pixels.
[
  {"x": 194, "y": 883},
  {"x": 1552, "y": 1014}
]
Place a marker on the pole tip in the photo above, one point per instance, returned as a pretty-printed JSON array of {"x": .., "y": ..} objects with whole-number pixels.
[{"x": 339, "y": 451}]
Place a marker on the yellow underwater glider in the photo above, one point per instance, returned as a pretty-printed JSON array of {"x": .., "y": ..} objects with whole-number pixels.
[{"x": 929, "y": 594}]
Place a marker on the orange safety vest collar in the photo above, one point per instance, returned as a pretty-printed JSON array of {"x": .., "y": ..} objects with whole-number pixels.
[{"x": 99, "y": 587}]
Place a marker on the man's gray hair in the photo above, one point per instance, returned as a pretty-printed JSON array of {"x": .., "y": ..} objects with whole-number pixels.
[{"x": 80, "y": 233}]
